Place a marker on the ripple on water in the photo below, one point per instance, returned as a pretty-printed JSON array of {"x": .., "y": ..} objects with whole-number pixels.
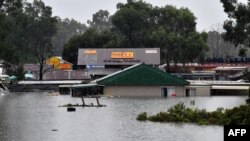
[{"x": 33, "y": 116}]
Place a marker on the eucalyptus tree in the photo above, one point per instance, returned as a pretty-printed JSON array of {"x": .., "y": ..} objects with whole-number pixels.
[
  {"x": 101, "y": 21},
  {"x": 66, "y": 29},
  {"x": 91, "y": 38},
  {"x": 174, "y": 31},
  {"x": 12, "y": 21},
  {"x": 86, "y": 40},
  {"x": 132, "y": 20},
  {"x": 237, "y": 27},
  {"x": 242, "y": 52},
  {"x": 138, "y": 24},
  {"x": 40, "y": 30}
]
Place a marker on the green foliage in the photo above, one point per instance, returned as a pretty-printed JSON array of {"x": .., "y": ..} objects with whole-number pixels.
[
  {"x": 41, "y": 27},
  {"x": 238, "y": 26},
  {"x": 138, "y": 24},
  {"x": 179, "y": 113},
  {"x": 26, "y": 30},
  {"x": 66, "y": 29},
  {"x": 12, "y": 22},
  {"x": 160, "y": 117},
  {"x": 90, "y": 39},
  {"x": 20, "y": 72},
  {"x": 248, "y": 100},
  {"x": 237, "y": 116},
  {"x": 101, "y": 21},
  {"x": 175, "y": 34},
  {"x": 242, "y": 52},
  {"x": 142, "y": 116},
  {"x": 132, "y": 20}
]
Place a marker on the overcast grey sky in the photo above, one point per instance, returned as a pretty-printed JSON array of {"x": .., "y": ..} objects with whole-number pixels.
[{"x": 208, "y": 12}]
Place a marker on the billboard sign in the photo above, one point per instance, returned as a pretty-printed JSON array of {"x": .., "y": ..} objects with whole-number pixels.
[{"x": 122, "y": 55}]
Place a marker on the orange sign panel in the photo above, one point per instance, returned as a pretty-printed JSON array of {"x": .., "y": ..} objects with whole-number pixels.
[
  {"x": 122, "y": 55},
  {"x": 89, "y": 51},
  {"x": 65, "y": 66}
]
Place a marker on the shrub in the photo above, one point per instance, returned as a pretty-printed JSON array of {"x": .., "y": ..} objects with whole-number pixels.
[
  {"x": 179, "y": 113},
  {"x": 142, "y": 116}
]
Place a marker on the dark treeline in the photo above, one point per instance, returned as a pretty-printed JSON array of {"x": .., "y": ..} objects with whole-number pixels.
[
  {"x": 138, "y": 24},
  {"x": 30, "y": 34},
  {"x": 234, "y": 40}
]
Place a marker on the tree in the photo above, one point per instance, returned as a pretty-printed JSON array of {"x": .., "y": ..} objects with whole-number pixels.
[
  {"x": 138, "y": 24},
  {"x": 40, "y": 30},
  {"x": 101, "y": 21},
  {"x": 238, "y": 26},
  {"x": 132, "y": 20},
  {"x": 66, "y": 29},
  {"x": 242, "y": 52},
  {"x": 12, "y": 21},
  {"x": 218, "y": 47},
  {"x": 90, "y": 39},
  {"x": 173, "y": 30},
  {"x": 203, "y": 54}
]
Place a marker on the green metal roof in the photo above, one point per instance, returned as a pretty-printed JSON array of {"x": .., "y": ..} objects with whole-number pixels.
[{"x": 141, "y": 75}]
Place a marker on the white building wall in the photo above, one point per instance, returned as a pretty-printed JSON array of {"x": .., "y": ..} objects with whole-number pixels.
[
  {"x": 203, "y": 91},
  {"x": 149, "y": 91},
  {"x": 200, "y": 90},
  {"x": 180, "y": 91}
]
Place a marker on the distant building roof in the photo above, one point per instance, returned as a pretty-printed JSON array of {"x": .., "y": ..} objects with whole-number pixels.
[
  {"x": 34, "y": 67},
  {"x": 58, "y": 63},
  {"x": 65, "y": 75},
  {"x": 49, "y": 82},
  {"x": 141, "y": 75},
  {"x": 230, "y": 68},
  {"x": 56, "y": 59}
]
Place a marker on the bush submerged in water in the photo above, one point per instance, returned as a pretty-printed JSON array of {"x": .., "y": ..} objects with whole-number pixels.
[
  {"x": 180, "y": 113},
  {"x": 142, "y": 116},
  {"x": 248, "y": 101}
]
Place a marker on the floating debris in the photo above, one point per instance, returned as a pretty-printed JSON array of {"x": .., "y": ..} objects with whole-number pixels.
[
  {"x": 71, "y": 109},
  {"x": 53, "y": 94},
  {"x": 54, "y": 130},
  {"x": 69, "y": 105},
  {"x": 81, "y": 105},
  {"x": 192, "y": 102}
]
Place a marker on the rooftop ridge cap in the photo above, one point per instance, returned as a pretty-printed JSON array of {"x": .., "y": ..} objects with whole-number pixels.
[{"x": 118, "y": 72}]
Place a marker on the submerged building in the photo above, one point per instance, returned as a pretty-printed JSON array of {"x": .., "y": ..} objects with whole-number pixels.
[{"x": 136, "y": 80}]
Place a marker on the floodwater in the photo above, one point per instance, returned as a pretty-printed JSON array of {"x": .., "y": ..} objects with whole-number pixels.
[{"x": 37, "y": 117}]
